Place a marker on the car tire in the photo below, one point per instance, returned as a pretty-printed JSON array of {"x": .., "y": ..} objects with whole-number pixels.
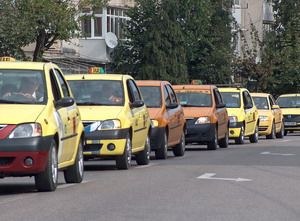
[
  {"x": 285, "y": 132},
  {"x": 179, "y": 149},
  {"x": 223, "y": 143},
  {"x": 123, "y": 162},
  {"x": 241, "y": 138},
  {"x": 143, "y": 157},
  {"x": 213, "y": 144},
  {"x": 162, "y": 152},
  {"x": 47, "y": 180},
  {"x": 281, "y": 133},
  {"x": 254, "y": 137},
  {"x": 272, "y": 135},
  {"x": 74, "y": 173}
]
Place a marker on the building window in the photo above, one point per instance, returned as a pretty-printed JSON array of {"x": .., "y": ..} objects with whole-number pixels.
[{"x": 104, "y": 20}]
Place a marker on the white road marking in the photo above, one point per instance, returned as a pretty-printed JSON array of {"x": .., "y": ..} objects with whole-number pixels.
[
  {"x": 209, "y": 176},
  {"x": 282, "y": 141},
  {"x": 277, "y": 154}
]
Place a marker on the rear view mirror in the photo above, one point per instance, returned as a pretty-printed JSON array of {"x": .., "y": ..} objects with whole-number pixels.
[
  {"x": 137, "y": 104},
  {"x": 275, "y": 106},
  {"x": 248, "y": 106},
  {"x": 172, "y": 105},
  {"x": 64, "y": 102},
  {"x": 221, "y": 105}
]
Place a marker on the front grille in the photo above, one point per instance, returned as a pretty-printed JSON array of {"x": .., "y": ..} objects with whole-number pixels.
[
  {"x": 4, "y": 161},
  {"x": 92, "y": 147},
  {"x": 294, "y": 118},
  {"x": 190, "y": 121},
  {"x": 2, "y": 126},
  {"x": 263, "y": 128},
  {"x": 87, "y": 123}
]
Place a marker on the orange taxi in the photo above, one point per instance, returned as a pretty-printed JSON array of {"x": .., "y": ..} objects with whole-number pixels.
[
  {"x": 206, "y": 115},
  {"x": 167, "y": 117}
]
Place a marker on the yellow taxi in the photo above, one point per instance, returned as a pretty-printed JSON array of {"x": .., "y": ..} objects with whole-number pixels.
[
  {"x": 290, "y": 106},
  {"x": 242, "y": 114},
  {"x": 270, "y": 116},
  {"x": 116, "y": 120},
  {"x": 40, "y": 126}
]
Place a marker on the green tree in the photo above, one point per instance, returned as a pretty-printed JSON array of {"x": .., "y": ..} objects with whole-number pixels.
[{"x": 41, "y": 22}]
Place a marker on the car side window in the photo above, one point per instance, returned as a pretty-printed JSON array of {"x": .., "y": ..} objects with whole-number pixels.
[
  {"x": 272, "y": 101},
  {"x": 55, "y": 87},
  {"x": 172, "y": 94},
  {"x": 134, "y": 94},
  {"x": 218, "y": 97},
  {"x": 167, "y": 96},
  {"x": 247, "y": 98},
  {"x": 63, "y": 84}
]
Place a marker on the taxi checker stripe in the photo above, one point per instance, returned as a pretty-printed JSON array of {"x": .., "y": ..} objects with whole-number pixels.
[{"x": 6, "y": 131}]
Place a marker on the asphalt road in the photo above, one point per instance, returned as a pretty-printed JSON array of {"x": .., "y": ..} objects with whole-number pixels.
[{"x": 202, "y": 185}]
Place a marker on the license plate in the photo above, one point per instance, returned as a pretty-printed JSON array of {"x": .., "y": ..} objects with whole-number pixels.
[{"x": 290, "y": 123}]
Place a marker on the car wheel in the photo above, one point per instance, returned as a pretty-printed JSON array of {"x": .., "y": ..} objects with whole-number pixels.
[
  {"x": 179, "y": 149},
  {"x": 74, "y": 173},
  {"x": 47, "y": 180},
  {"x": 162, "y": 152},
  {"x": 254, "y": 137},
  {"x": 241, "y": 138},
  {"x": 223, "y": 143},
  {"x": 213, "y": 144},
  {"x": 281, "y": 133},
  {"x": 143, "y": 158},
  {"x": 124, "y": 161},
  {"x": 272, "y": 135}
]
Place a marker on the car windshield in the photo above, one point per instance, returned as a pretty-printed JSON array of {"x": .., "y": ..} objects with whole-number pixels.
[
  {"x": 289, "y": 102},
  {"x": 231, "y": 99},
  {"x": 197, "y": 98},
  {"x": 22, "y": 87},
  {"x": 261, "y": 103},
  {"x": 97, "y": 92},
  {"x": 151, "y": 95}
]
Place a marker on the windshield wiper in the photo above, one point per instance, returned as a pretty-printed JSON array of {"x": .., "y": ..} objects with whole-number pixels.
[
  {"x": 89, "y": 104},
  {"x": 12, "y": 102}
]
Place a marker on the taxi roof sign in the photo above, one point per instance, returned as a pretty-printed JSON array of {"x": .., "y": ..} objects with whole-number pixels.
[
  {"x": 7, "y": 59},
  {"x": 196, "y": 82},
  {"x": 96, "y": 70}
]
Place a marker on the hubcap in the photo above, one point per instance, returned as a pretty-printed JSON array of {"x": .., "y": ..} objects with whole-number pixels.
[
  {"x": 242, "y": 133},
  {"x": 80, "y": 160},
  {"x": 54, "y": 165},
  {"x": 148, "y": 147},
  {"x": 128, "y": 145}
]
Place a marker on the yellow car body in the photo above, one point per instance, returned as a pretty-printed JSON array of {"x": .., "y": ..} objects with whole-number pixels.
[
  {"x": 290, "y": 106},
  {"x": 41, "y": 132},
  {"x": 242, "y": 114},
  {"x": 270, "y": 116},
  {"x": 117, "y": 125}
]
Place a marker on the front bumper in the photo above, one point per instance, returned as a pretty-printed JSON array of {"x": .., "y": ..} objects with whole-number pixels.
[
  {"x": 13, "y": 153},
  {"x": 200, "y": 132},
  {"x": 291, "y": 122},
  {"x": 265, "y": 128},
  {"x": 157, "y": 137},
  {"x": 235, "y": 129},
  {"x": 97, "y": 142}
]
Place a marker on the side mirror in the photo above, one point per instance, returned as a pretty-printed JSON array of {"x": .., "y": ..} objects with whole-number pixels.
[
  {"x": 172, "y": 106},
  {"x": 248, "y": 106},
  {"x": 137, "y": 104},
  {"x": 275, "y": 106},
  {"x": 64, "y": 102},
  {"x": 221, "y": 105}
]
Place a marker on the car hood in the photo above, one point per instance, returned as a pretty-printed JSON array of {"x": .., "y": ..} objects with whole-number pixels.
[
  {"x": 197, "y": 111},
  {"x": 17, "y": 114},
  {"x": 98, "y": 113},
  {"x": 290, "y": 111}
]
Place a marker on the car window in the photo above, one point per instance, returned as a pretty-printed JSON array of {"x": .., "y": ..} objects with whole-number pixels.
[
  {"x": 289, "y": 102},
  {"x": 63, "y": 84},
  {"x": 134, "y": 90},
  {"x": 22, "y": 87},
  {"x": 247, "y": 98},
  {"x": 231, "y": 99},
  {"x": 98, "y": 92},
  {"x": 261, "y": 103},
  {"x": 272, "y": 101},
  {"x": 195, "y": 98},
  {"x": 54, "y": 86},
  {"x": 172, "y": 94},
  {"x": 218, "y": 96},
  {"x": 151, "y": 95},
  {"x": 167, "y": 96}
]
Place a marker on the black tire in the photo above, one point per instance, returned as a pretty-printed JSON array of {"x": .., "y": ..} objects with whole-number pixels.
[
  {"x": 280, "y": 134},
  {"x": 272, "y": 135},
  {"x": 223, "y": 143},
  {"x": 162, "y": 152},
  {"x": 213, "y": 144},
  {"x": 179, "y": 149},
  {"x": 74, "y": 173},
  {"x": 123, "y": 162},
  {"x": 47, "y": 180},
  {"x": 285, "y": 132},
  {"x": 143, "y": 157},
  {"x": 241, "y": 138},
  {"x": 254, "y": 137}
]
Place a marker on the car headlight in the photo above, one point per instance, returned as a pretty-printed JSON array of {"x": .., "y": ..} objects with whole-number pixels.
[
  {"x": 109, "y": 124},
  {"x": 203, "y": 120},
  {"x": 154, "y": 123},
  {"x": 26, "y": 130},
  {"x": 233, "y": 119},
  {"x": 263, "y": 118}
]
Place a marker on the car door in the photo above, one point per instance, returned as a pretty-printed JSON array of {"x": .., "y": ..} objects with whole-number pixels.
[
  {"x": 62, "y": 120},
  {"x": 250, "y": 113},
  {"x": 175, "y": 117},
  {"x": 221, "y": 114},
  {"x": 73, "y": 116},
  {"x": 140, "y": 116},
  {"x": 276, "y": 113}
]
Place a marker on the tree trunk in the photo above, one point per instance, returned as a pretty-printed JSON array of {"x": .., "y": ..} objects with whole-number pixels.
[{"x": 39, "y": 47}]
